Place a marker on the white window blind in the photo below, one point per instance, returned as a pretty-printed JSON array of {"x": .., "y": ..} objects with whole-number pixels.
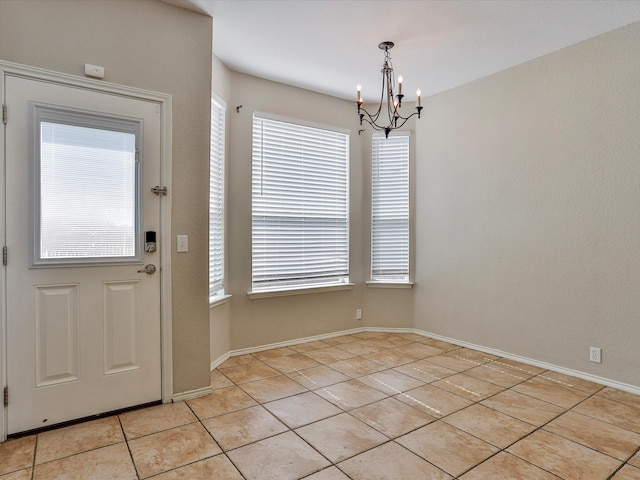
[
  {"x": 216, "y": 200},
  {"x": 87, "y": 193},
  {"x": 300, "y": 204},
  {"x": 390, "y": 209}
]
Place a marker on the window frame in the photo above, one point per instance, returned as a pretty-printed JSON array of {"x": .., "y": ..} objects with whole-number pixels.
[
  {"x": 283, "y": 286},
  {"x": 405, "y": 270},
  {"x": 217, "y": 204},
  {"x": 47, "y": 113}
]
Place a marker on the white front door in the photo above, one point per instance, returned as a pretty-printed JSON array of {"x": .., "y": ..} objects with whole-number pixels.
[{"x": 83, "y": 317}]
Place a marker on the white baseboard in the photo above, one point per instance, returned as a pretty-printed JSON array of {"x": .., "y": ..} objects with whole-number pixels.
[
  {"x": 219, "y": 361},
  {"x": 199, "y": 392},
  {"x": 536, "y": 363},
  {"x": 244, "y": 351},
  {"x": 529, "y": 361}
]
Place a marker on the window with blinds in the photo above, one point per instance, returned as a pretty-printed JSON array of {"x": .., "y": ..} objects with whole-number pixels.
[
  {"x": 390, "y": 209},
  {"x": 216, "y": 200},
  {"x": 300, "y": 206},
  {"x": 85, "y": 186}
]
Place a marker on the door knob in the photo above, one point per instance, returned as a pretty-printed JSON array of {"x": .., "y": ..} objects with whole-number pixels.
[{"x": 148, "y": 269}]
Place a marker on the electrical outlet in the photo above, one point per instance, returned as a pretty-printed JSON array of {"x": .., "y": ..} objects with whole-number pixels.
[
  {"x": 595, "y": 354},
  {"x": 358, "y": 314}
]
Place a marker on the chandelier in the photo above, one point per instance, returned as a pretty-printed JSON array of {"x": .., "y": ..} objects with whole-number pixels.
[{"x": 393, "y": 119}]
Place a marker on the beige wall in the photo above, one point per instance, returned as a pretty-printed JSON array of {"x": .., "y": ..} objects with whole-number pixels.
[
  {"x": 528, "y": 225},
  {"x": 263, "y": 321},
  {"x": 220, "y": 314},
  {"x": 155, "y": 46}
]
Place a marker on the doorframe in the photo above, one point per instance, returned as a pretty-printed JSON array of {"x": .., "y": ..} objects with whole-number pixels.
[{"x": 164, "y": 101}]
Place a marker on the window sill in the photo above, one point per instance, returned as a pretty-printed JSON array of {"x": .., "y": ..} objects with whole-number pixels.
[
  {"x": 218, "y": 300},
  {"x": 390, "y": 284},
  {"x": 299, "y": 291}
]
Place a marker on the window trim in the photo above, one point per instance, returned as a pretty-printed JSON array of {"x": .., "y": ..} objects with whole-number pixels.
[
  {"x": 219, "y": 295},
  {"x": 288, "y": 292},
  {"x": 386, "y": 282},
  {"x": 374, "y": 284},
  {"x": 44, "y": 112}
]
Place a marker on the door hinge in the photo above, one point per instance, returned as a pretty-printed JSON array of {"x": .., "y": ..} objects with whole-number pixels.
[
  {"x": 6, "y": 396},
  {"x": 4, "y": 255},
  {"x": 4, "y": 113},
  {"x": 159, "y": 190}
]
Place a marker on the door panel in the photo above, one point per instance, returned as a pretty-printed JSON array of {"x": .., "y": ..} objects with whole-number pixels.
[
  {"x": 56, "y": 332},
  {"x": 121, "y": 314},
  {"x": 83, "y": 333}
]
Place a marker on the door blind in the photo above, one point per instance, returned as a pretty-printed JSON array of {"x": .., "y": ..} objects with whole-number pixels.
[{"x": 87, "y": 189}]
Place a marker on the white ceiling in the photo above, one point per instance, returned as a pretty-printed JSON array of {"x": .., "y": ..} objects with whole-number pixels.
[{"x": 330, "y": 46}]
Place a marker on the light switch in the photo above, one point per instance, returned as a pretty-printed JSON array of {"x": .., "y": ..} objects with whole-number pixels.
[{"x": 183, "y": 243}]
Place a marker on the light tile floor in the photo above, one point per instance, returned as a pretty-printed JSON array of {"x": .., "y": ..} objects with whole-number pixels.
[{"x": 366, "y": 406}]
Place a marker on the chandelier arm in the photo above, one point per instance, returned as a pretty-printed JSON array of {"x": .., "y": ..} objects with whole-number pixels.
[
  {"x": 373, "y": 125},
  {"x": 405, "y": 120},
  {"x": 371, "y": 119},
  {"x": 388, "y": 129}
]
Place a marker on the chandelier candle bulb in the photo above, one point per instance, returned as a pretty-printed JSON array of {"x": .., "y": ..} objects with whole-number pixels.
[
  {"x": 359, "y": 88},
  {"x": 418, "y": 93},
  {"x": 400, "y": 85}
]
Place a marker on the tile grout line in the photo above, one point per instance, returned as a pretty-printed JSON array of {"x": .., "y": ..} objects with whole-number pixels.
[
  {"x": 629, "y": 459},
  {"x": 566, "y": 410},
  {"x": 222, "y": 451},
  {"x": 64, "y": 457},
  {"x": 504, "y": 449},
  {"x": 289, "y": 429},
  {"x": 477, "y": 402},
  {"x": 449, "y": 414},
  {"x": 35, "y": 452},
  {"x": 126, "y": 440}
]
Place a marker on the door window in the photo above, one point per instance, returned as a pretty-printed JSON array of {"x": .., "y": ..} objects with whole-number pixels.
[{"x": 85, "y": 184}]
